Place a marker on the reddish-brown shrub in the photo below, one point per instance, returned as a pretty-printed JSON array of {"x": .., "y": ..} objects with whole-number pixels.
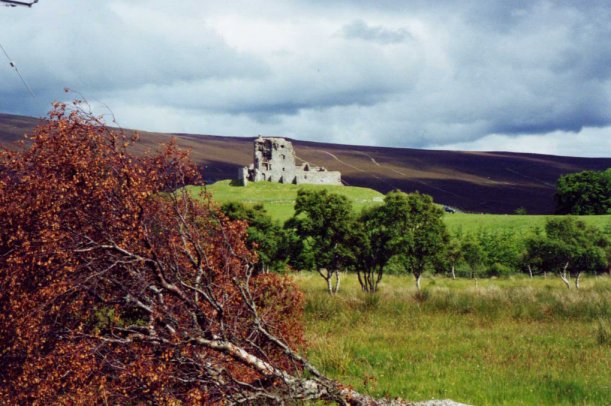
[{"x": 115, "y": 286}]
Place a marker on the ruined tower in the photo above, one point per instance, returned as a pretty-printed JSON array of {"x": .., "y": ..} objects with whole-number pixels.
[{"x": 274, "y": 161}]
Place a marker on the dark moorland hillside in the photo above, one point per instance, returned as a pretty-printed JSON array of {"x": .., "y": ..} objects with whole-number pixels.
[{"x": 489, "y": 182}]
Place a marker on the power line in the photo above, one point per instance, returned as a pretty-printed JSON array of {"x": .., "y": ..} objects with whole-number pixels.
[
  {"x": 14, "y": 3},
  {"x": 17, "y": 70}
]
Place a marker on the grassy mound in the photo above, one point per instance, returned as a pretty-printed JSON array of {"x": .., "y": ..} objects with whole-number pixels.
[{"x": 279, "y": 199}]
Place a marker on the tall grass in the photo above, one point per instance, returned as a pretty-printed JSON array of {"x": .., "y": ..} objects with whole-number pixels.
[{"x": 506, "y": 341}]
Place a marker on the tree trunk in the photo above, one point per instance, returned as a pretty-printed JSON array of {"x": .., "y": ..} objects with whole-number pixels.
[
  {"x": 566, "y": 281},
  {"x": 327, "y": 276},
  {"x": 453, "y": 272},
  {"x": 361, "y": 279},
  {"x": 317, "y": 387},
  {"x": 418, "y": 281},
  {"x": 530, "y": 272},
  {"x": 380, "y": 272},
  {"x": 577, "y": 280},
  {"x": 336, "y": 281},
  {"x": 564, "y": 276}
]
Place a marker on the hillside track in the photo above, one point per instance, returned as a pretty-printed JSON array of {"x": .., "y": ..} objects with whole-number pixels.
[{"x": 487, "y": 182}]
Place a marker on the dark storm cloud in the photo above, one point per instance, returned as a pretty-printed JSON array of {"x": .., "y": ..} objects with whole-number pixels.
[{"x": 553, "y": 60}]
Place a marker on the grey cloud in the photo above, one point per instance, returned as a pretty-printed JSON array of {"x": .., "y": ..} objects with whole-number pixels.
[
  {"x": 456, "y": 71},
  {"x": 361, "y": 30},
  {"x": 100, "y": 53}
]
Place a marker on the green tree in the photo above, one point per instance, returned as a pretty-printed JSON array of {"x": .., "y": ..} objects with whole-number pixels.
[
  {"x": 520, "y": 211},
  {"x": 266, "y": 237},
  {"x": 587, "y": 192},
  {"x": 325, "y": 225},
  {"x": 473, "y": 254},
  {"x": 454, "y": 254},
  {"x": 569, "y": 247},
  {"x": 548, "y": 255},
  {"x": 416, "y": 229},
  {"x": 589, "y": 259},
  {"x": 502, "y": 250},
  {"x": 371, "y": 247}
]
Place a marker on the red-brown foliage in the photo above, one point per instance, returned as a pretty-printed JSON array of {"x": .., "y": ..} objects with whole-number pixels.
[{"x": 117, "y": 287}]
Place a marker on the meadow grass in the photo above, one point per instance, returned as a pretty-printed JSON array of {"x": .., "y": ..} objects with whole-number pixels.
[{"x": 507, "y": 341}]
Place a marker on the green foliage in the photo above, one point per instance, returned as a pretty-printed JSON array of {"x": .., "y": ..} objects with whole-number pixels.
[
  {"x": 501, "y": 247},
  {"x": 416, "y": 232},
  {"x": 453, "y": 253},
  {"x": 473, "y": 254},
  {"x": 498, "y": 269},
  {"x": 407, "y": 229},
  {"x": 265, "y": 236},
  {"x": 587, "y": 192},
  {"x": 493, "y": 252},
  {"x": 520, "y": 211},
  {"x": 547, "y": 255},
  {"x": 569, "y": 245},
  {"x": 324, "y": 224},
  {"x": 372, "y": 250}
]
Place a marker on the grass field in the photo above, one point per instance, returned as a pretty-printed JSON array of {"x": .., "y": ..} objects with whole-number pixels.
[
  {"x": 279, "y": 199},
  {"x": 521, "y": 224},
  {"x": 513, "y": 342}
]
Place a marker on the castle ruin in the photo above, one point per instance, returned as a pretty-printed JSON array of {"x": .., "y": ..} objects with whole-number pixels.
[{"x": 274, "y": 161}]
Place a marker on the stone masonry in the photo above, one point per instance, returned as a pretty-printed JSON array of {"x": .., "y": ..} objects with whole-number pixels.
[{"x": 274, "y": 161}]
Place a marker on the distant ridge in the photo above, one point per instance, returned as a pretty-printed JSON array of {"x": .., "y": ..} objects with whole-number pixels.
[{"x": 488, "y": 182}]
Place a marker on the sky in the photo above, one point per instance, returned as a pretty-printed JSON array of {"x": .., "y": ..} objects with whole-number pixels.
[{"x": 525, "y": 76}]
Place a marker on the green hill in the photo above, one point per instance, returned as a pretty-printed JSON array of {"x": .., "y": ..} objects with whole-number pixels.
[{"x": 278, "y": 199}]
